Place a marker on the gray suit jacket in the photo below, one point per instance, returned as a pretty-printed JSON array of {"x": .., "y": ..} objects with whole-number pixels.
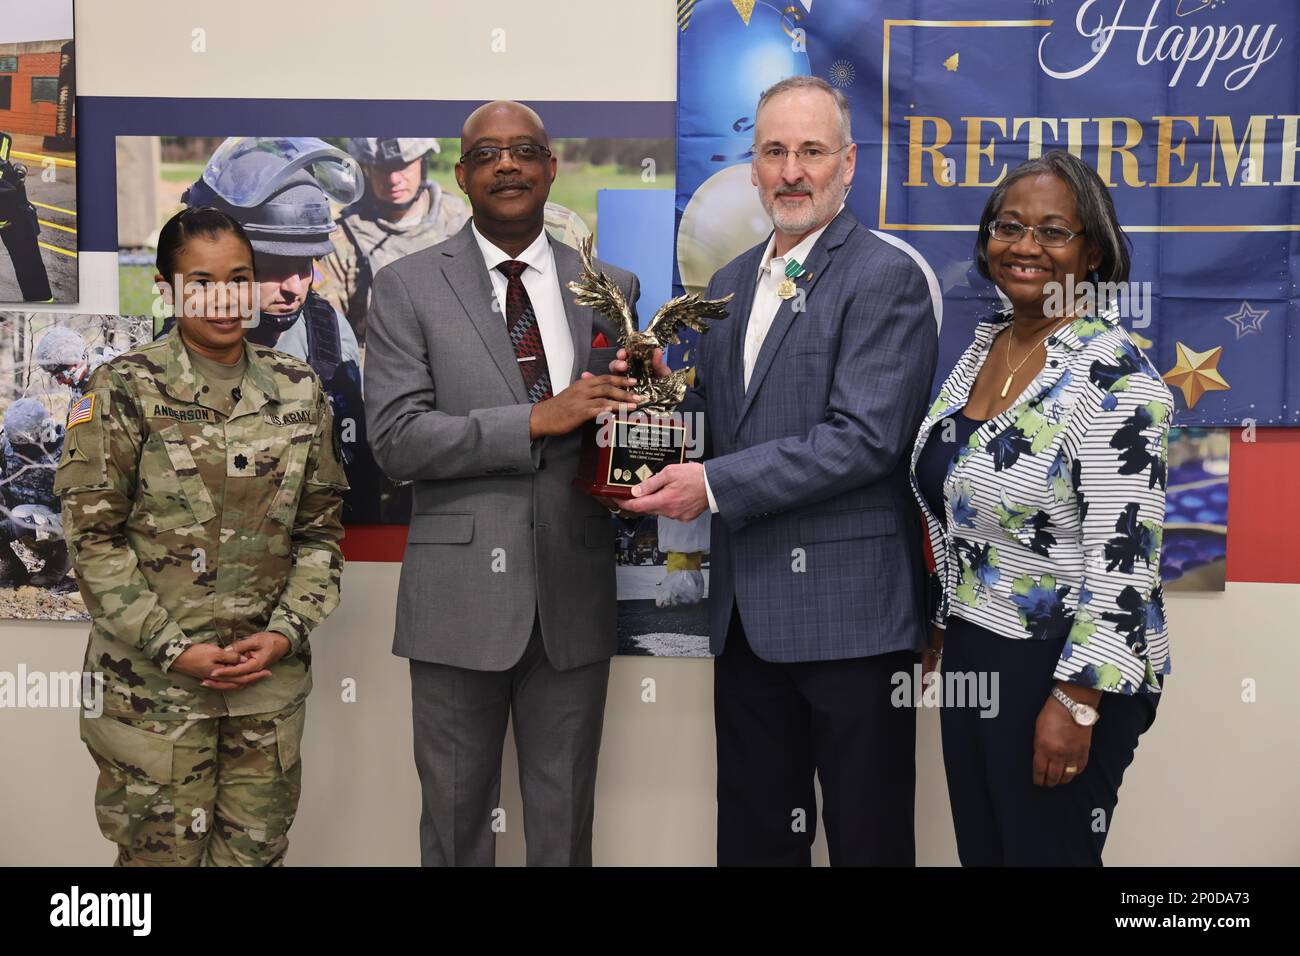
[{"x": 497, "y": 532}]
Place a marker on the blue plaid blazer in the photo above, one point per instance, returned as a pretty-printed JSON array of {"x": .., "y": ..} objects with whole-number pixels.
[{"x": 817, "y": 538}]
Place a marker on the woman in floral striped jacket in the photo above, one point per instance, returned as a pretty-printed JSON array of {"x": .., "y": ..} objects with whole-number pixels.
[{"x": 1040, "y": 470}]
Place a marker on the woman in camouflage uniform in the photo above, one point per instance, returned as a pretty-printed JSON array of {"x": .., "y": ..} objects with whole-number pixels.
[{"x": 201, "y": 493}]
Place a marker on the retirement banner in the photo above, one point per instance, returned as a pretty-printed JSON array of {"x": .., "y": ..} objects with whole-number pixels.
[{"x": 1186, "y": 108}]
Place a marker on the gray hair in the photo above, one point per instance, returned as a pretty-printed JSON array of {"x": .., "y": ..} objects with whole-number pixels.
[{"x": 814, "y": 83}]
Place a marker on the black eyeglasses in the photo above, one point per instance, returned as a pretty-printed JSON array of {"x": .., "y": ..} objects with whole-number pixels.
[
  {"x": 1008, "y": 230},
  {"x": 519, "y": 152}
]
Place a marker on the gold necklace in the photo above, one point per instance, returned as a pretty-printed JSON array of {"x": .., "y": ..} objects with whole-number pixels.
[{"x": 1006, "y": 386}]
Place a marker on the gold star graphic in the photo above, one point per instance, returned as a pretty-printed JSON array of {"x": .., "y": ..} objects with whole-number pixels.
[{"x": 1196, "y": 373}]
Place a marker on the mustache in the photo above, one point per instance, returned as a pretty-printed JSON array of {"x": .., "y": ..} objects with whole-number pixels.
[
  {"x": 800, "y": 190},
  {"x": 510, "y": 184}
]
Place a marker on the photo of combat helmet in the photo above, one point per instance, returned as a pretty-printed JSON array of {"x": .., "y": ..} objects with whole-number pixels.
[{"x": 279, "y": 189}]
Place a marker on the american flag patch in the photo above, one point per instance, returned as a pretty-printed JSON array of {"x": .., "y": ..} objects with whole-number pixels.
[{"x": 83, "y": 411}]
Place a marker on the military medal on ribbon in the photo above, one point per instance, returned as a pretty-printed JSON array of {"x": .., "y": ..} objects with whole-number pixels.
[{"x": 793, "y": 270}]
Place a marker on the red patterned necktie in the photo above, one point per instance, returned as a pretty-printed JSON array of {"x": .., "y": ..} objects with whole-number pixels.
[{"x": 525, "y": 336}]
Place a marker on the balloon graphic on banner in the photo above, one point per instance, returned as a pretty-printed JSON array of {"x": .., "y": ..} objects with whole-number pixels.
[
  {"x": 734, "y": 62},
  {"x": 722, "y": 220}
]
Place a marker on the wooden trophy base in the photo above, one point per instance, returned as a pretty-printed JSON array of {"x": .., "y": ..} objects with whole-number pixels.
[{"x": 618, "y": 455}]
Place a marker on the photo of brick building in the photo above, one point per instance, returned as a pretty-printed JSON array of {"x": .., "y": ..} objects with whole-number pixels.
[
  {"x": 38, "y": 153},
  {"x": 35, "y": 88}
]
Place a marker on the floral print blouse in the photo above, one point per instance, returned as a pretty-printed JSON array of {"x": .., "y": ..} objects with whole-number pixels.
[{"x": 1055, "y": 508}]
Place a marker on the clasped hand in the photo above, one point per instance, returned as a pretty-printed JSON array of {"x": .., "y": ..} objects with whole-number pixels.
[{"x": 244, "y": 662}]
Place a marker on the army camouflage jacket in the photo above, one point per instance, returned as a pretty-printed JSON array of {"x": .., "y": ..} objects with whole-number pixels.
[{"x": 189, "y": 527}]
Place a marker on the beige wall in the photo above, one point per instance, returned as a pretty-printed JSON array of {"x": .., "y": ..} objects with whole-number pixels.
[
  {"x": 1216, "y": 781},
  {"x": 379, "y": 49}
]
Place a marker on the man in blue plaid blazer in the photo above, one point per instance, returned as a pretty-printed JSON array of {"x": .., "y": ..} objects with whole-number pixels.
[{"x": 812, "y": 391}]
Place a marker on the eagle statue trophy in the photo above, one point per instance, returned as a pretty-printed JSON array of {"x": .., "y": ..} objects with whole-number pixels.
[{"x": 597, "y": 291}]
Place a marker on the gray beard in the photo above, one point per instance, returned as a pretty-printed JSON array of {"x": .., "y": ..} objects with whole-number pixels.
[{"x": 818, "y": 211}]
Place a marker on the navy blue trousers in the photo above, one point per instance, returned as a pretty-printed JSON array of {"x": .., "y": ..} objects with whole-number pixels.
[
  {"x": 778, "y": 724},
  {"x": 1000, "y": 816}
]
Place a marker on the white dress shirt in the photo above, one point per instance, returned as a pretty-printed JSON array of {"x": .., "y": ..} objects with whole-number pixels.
[
  {"x": 542, "y": 284},
  {"x": 766, "y": 304}
]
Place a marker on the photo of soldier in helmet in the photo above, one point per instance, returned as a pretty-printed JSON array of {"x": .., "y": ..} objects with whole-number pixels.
[
  {"x": 400, "y": 212},
  {"x": 280, "y": 189},
  {"x": 63, "y": 355},
  {"x": 29, "y": 510},
  {"x": 45, "y": 361}
]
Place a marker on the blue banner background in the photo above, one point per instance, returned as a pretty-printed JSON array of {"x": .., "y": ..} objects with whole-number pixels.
[{"x": 1215, "y": 288}]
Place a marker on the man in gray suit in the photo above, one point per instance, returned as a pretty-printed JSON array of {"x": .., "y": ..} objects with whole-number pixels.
[
  {"x": 812, "y": 396},
  {"x": 476, "y": 390}
]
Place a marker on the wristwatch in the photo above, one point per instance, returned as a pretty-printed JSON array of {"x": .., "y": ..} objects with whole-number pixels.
[{"x": 1083, "y": 715}]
